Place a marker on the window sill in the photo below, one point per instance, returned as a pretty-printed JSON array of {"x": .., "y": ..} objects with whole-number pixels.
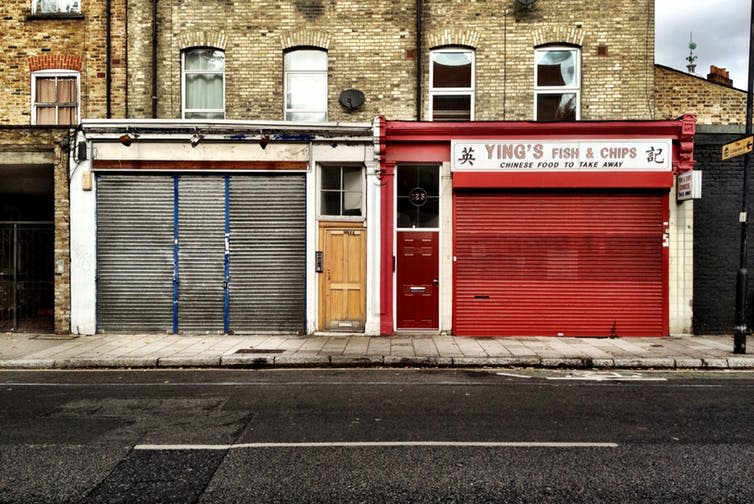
[{"x": 50, "y": 16}]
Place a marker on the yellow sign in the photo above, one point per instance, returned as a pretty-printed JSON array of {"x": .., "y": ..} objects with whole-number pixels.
[{"x": 738, "y": 148}]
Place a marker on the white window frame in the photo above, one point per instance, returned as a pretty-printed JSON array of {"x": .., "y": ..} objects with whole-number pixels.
[
  {"x": 573, "y": 88},
  {"x": 362, "y": 179},
  {"x": 286, "y": 73},
  {"x": 470, "y": 91},
  {"x": 184, "y": 73},
  {"x": 60, "y": 5},
  {"x": 49, "y": 74}
]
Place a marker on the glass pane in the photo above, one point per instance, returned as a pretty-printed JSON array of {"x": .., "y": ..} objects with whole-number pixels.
[
  {"x": 429, "y": 180},
  {"x": 306, "y": 92},
  {"x": 204, "y": 91},
  {"x": 306, "y": 59},
  {"x": 331, "y": 178},
  {"x": 67, "y": 115},
  {"x": 46, "y": 90},
  {"x": 556, "y": 107},
  {"x": 407, "y": 214},
  {"x": 429, "y": 212},
  {"x": 407, "y": 180},
  {"x": 451, "y": 108},
  {"x": 66, "y": 90},
  {"x": 352, "y": 203},
  {"x": 206, "y": 59},
  {"x": 46, "y": 6},
  {"x": 330, "y": 203},
  {"x": 46, "y": 115},
  {"x": 205, "y": 115},
  {"x": 556, "y": 68},
  {"x": 352, "y": 179},
  {"x": 451, "y": 69},
  {"x": 67, "y": 6},
  {"x": 306, "y": 116}
]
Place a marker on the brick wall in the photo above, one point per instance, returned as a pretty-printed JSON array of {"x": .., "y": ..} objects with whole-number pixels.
[
  {"x": 37, "y": 43},
  {"x": 720, "y": 112},
  {"x": 372, "y": 46},
  {"x": 717, "y": 236},
  {"x": 15, "y": 142},
  {"x": 678, "y": 92},
  {"x": 78, "y": 43}
]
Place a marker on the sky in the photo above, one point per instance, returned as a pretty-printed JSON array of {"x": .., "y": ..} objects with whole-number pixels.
[{"x": 720, "y": 29}]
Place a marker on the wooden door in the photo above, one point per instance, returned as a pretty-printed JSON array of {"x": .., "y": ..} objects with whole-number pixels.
[{"x": 343, "y": 279}]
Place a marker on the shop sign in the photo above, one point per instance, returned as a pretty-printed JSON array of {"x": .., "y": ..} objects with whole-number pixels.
[
  {"x": 566, "y": 155},
  {"x": 688, "y": 185}
]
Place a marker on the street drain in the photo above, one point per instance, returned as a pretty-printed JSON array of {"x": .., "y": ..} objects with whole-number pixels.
[
  {"x": 55, "y": 337},
  {"x": 260, "y": 350}
]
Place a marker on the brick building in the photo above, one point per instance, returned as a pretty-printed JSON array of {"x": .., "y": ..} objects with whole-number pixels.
[
  {"x": 226, "y": 79},
  {"x": 381, "y": 48},
  {"x": 721, "y": 114},
  {"x": 62, "y": 60}
]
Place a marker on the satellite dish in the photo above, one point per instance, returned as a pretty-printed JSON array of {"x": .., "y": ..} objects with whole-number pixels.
[
  {"x": 351, "y": 99},
  {"x": 527, "y": 3}
]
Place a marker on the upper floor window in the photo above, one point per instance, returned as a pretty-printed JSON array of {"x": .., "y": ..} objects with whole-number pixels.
[
  {"x": 341, "y": 191},
  {"x": 306, "y": 85},
  {"x": 56, "y": 6},
  {"x": 55, "y": 98},
  {"x": 203, "y": 83},
  {"x": 557, "y": 84},
  {"x": 451, "y": 85}
]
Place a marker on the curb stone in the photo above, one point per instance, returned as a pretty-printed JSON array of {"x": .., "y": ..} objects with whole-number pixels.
[
  {"x": 741, "y": 362},
  {"x": 687, "y": 363},
  {"x": 27, "y": 363},
  {"x": 715, "y": 363},
  {"x": 188, "y": 362}
]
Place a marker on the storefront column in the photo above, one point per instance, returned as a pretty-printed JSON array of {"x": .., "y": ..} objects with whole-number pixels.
[{"x": 387, "y": 256}]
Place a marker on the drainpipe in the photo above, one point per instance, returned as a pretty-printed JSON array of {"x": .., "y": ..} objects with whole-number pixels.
[
  {"x": 108, "y": 60},
  {"x": 419, "y": 56},
  {"x": 154, "y": 59}
]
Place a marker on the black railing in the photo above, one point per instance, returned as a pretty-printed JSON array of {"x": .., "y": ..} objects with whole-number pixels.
[{"x": 27, "y": 276}]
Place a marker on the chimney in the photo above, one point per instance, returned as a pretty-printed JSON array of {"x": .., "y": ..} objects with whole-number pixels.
[{"x": 719, "y": 76}]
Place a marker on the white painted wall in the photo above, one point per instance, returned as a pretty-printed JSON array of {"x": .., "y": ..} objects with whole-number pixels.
[
  {"x": 681, "y": 265},
  {"x": 83, "y": 249},
  {"x": 83, "y": 213},
  {"x": 446, "y": 249}
]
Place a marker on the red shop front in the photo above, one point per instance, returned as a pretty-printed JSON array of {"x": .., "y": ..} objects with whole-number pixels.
[{"x": 530, "y": 229}]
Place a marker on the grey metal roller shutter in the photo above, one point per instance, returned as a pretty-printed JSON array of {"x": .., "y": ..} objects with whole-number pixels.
[
  {"x": 268, "y": 249},
  {"x": 134, "y": 253},
  {"x": 201, "y": 244}
]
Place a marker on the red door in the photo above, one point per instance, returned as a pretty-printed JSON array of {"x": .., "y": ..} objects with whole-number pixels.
[{"x": 417, "y": 280}]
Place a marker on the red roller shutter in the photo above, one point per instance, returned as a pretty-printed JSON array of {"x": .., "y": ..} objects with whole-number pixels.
[{"x": 556, "y": 263}]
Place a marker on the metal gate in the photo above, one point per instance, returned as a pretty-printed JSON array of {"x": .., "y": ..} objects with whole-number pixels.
[
  {"x": 196, "y": 253},
  {"x": 560, "y": 263},
  {"x": 27, "y": 276}
]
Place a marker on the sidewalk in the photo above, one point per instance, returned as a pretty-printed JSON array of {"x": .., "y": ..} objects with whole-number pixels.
[{"x": 30, "y": 351}]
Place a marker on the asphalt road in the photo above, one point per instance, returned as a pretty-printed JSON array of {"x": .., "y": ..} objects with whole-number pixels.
[{"x": 375, "y": 436}]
